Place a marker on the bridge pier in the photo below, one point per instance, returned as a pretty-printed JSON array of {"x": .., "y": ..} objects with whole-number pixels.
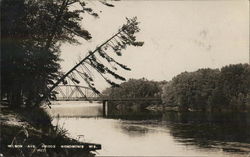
[{"x": 105, "y": 107}]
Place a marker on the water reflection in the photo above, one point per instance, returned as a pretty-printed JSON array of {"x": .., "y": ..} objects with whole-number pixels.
[
  {"x": 137, "y": 132},
  {"x": 228, "y": 131},
  {"x": 131, "y": 112},
  {"x": 76, "y": 109}
]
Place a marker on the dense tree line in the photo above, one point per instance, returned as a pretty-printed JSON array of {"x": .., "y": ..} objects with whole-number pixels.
[
  {"x": 210, "y": 89},
  {"x": 31, "y": 34},
  {"x": 135, "y": 88}
]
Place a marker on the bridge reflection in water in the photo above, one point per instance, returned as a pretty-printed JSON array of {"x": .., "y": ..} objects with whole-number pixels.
[
  {"x": 121, "y": 110},
  {"x": 106, "y": 107}
]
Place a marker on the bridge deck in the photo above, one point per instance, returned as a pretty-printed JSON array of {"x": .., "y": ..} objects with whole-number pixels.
[{"x": 106, "y": 99}]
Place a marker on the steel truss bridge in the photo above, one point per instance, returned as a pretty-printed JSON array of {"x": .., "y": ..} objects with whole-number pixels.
[
  {"x": 82, "y": 93},
  {"x": 75, "y": 93}
]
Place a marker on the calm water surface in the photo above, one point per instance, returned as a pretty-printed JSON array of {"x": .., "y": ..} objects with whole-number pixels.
[{"x": 135, "y": 132}]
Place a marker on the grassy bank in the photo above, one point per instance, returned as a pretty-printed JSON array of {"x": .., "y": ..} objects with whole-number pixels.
[{"x": 32, "y": 129}]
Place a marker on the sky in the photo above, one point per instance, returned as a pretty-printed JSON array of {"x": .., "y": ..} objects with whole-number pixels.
[{"x": 179, "y": 36}]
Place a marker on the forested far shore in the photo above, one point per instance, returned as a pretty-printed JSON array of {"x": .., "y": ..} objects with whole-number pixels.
[
  {"x": 225, "y": 89},
  {"x": 210, "y": 89},
  {"x": 136, "y": 88}
]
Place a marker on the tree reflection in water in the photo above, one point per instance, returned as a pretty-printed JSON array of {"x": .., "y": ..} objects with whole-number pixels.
[{"x": 228, "y": 132}]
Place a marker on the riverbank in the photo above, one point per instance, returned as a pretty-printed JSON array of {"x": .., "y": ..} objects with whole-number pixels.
[
  {"x": 29, "y": 132},
  {"x": 161, "y": 108}
]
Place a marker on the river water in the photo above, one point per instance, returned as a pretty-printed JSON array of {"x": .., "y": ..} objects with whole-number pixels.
[{"x": 124, "y": 131}]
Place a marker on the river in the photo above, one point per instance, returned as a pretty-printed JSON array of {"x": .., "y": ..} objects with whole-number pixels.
[{"x": 138, "y": 132}]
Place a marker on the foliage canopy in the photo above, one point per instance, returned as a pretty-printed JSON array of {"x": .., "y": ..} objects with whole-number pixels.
[
  {"x": 208, "y": 89},
  {"x": 32, "y": 32}
]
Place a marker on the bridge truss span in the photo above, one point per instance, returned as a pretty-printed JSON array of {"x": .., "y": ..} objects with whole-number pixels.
[{"x": 74, "y": 93}]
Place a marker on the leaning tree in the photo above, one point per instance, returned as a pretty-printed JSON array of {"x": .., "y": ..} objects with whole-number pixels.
[{"x": 32, "y": 32}]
